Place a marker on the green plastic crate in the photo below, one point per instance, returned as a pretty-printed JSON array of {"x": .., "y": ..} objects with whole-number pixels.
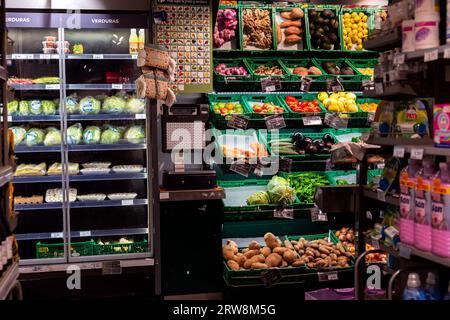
[
  {"x": 218, "y": 119},
  {"x": 341, "y": 63},
  {"x": 241, "y": 26},
  {"x": 300, "y": 97},
  {"x": 236, "y": 40},
  {"x": 372, "y": 174},
  {"x": 276, "y": 19},
  {"x": 56, "y": 250},
  {"x": 254, "y": 63},
  {"x": 290, "y": 64},
  {"x": 249, "y": 100},
  {"x": 336, "y": 10},
  {"x": 335, "y": 175},
  {"x": 370, "y": 22},
  {"x": 240, "y": 139},
  {"x": 290, "y": 175},
  {"x": 366, "y": 100},
  {"x": 363, "y": 63},
  {"x": 120, "y": 248},
  {"x": 231, "y": 63}
]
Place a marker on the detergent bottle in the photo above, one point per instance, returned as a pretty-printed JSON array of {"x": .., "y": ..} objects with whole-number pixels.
[
  {"x": 422, "y": 223},
  {"x": 413, "y": 290},
  {"x": 440, "y": 212},
  {"x": 432, "y": 291},
  {"x": 407, "y": 186}
]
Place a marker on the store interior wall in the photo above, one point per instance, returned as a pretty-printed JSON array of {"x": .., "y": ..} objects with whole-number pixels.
[{"x": 79, "y": 4}]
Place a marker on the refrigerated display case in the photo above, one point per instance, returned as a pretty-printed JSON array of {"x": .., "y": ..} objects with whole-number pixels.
[{"x": 91, "y": 199}]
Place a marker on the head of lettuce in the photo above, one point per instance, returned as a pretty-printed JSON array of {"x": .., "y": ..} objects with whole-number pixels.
[
  {"x": 89, "y": 105},
  {"x": 110, "y": 135},
  {"x": 113, "y": 105}
]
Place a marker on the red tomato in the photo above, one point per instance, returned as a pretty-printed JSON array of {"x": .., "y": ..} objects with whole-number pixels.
[{"x": 257, "y": 109}]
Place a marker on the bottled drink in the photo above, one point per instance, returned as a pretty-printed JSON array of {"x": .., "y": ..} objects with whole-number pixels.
[
  {"x": 141, "y": 39},
  {"x": 413, "y": 290},
  {"x": 432, "y": 291},
  {"x": 440, "y": 212},
  {"x": 133, "y": 42}
]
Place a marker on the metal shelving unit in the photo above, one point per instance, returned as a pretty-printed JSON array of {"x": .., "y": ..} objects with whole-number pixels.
[
  {"x": 82, "y": 234},
  {"x": 80, "y": 204},
  {"x": 93, "y": 86},
  {"x": 406, "y": 251},
  {"x": 82, "y": 177},
  {"x": 79, "y": 117},
  {"x": 87, "y": 147},
  {"x": 107, "y": 56}
]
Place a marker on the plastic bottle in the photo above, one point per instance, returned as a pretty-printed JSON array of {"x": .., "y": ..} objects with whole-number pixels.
[
  {"x": 440, "y": 212},
  {"x": 407, "y": 186},
  {"x": 432, "y": 291},
  {"x": 423, "y": 204},
  {"x": 133, "y": 42},
  {"x": 413, "y": 290},
  {"x": 141, "y": 39},
  {"x": 447, "y": 296}
]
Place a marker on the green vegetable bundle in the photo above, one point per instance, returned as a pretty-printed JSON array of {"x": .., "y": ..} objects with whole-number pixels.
[{"x": 305, "y": 185}]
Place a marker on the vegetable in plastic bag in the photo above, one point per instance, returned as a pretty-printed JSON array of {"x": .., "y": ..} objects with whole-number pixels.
[
  {"x": 91, "y": 135},
  {"x": 259, "y": 197},
  {"x": 110, "y": 135},
  {"x": 113, "y": 105},
  {"x": 35, "y": 107},
  {"x": 48, "y": 107},
  {"x": 19, "y": 134},
  {"x": 34, "y": 137},
  {"x": 74, "y": 134},
  {"x": 135, "y": 134},
  {"x": 72, "y": 105},
  {"x": 53, "y": 137},
  {"x": 135, "y": 105},
  {"x": 24, "y": 108},
  {"x": 280, "y": 192},
  {"x": 89, "y": 105},
  {"x": 13, "y": 107}
]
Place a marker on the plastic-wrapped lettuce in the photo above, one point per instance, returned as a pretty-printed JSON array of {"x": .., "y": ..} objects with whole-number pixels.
[
  {"x": 91, "y": 135},
  {"x": 72, "y": 105},
  {"x": 135, "y": 105},
  {"x": 35, "y": 107},
  {"x": 135, "y": 134},
  {"x": 19, "y": 134},
  {"x": 53, "y": 137},
  {"x": 113, "y": 105},
  {"x": 74, "y": 134},
  {"x": 13, "y": 107},
  {"x": 89, "y": 105},
  {"x": 48, "y": 107},
  {"x": 34, "y": 137},
  {"x": 259, "y": 197},
  {"x": 24, "y": 108},
  {"x": 280, "y": 192},
  {"x": 110, "y": 135}
]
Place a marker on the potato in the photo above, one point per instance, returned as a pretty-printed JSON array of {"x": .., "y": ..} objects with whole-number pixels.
[
  {"x": 234, "y": 245},
  {"x": 298, "y": 263},
  {"x": 310, "y": 253},
  {"x": 245, "y": 250},
  {"x": 314, "y": 71},
  {"x": 266, "y": 251},
  {"x": 287, "y": 24},
  {"x": 259, "y": 265},
  {"x": 300, "y": 71},
  {"x": 271, "y": 241},
  {"x": 258, "y": 258},
  {"x": 289, "y": 256},
  {"x": 317, "y": 253},
  {"x": 294, "y": 242},
  {"x": 251, "y": 253},
  {"x": 279, "y": 34},
  {"x": 288, "y": 244},
  {"x": 273, "y": 260},
  {"x": 333, "y": 256},
  {"x": 280, "y": 250},
  {"x": 297, "y": 13},
  {"x": 240, "y": 259},
  {"x": 297, "y": 247},
  {"x": 254, "y": 245},
  {"x": 340, "y": 248},
  {"x": 315, "y": 245},
  {"x": 286, "y": 15},
  {"x": 233, "y": 265},
  {"x": 228, "y": 252},
  {"x": 292, "y": 30},
  {"x": 311, "y": 265},
  {"x": 323, "y": 256},
  {"x": 301, "y": 252}
]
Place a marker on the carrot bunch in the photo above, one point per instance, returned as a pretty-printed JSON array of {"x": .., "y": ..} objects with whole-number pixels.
[{"x": 256, "y": 150}]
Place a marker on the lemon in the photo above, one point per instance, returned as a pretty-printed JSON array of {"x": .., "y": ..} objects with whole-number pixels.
[
  {"x": 364, "y": 18},
  {"x": 341, "y": 106},
  {"x": 322, "y": 96},
  {"x": 341, "y": 94},
  {"x": 350, "y": 96},
  {"x": 334, "y": 96},
  {"x": 359, "y": 47},
  {"x": 365, "y": 32},
  {"x": 354, "y": 26},
  {"x": 354, "y": 14},
  {"x": 328, "y": 102},
  {"x": 359, "y": 41},
  {"x": 360, "y": 34},
  {"x": 346, "y": 15}
]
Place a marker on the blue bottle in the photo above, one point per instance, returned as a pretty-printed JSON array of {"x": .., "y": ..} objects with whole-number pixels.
[
  {"x": 413, "y": 290},
  {"x": 432, "y": 291}
]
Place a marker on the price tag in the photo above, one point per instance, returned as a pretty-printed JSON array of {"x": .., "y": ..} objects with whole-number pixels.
[
  {"x": 52, "y": 86},
  {"x": 118, "y": 86},
  {"x": 241, "y": 167},
  {"x": 164, "y": 196},
  {"x": 328, "y": 276},
  {"x": 238, "y": 121},
  {"x": 134, "y": 56},
  {"x": 18, "y": 56},
  {"x": 275, "y": 122},
  {"x": 111, "y": 267},
  {"x": 381, "y": 195},
  {"x": 270, "y": 84},
  {"x": 375, "y": 243},
  {"x": 318, "y": 215},
  {"x": 312, "y": 121},
  {"x": 370, "y": 117},
  {"x": 283, "y": 213},
  {"x": 368, "y": 85},
  {"x": 305, "y": 84},
  {"x": 416, "y": 153},
  {"x": 284, "y": 164},
  {"x": 56, "y": 235},
  {"x": 334, "y": 85},
  {"x": 404, "y": 252},
  {"x": 271, "y": 276},
  {"x": 447, "y": 53},
  {"x": 431, "y": 55},
  {"x": 399, "y": 58},
  {"x": 258, "y": 169},
  {"x": 45, "y": 56},
  {"x": 380, "y": 165},
  {"x": 9, "y": 118},
  {"x": 127, "y": 202},
  {"x": 97, "y": 56},
  {"x": 379, "y": 88},
  {"x": 85, "y": 233},
  {"x": 335, "y": 121},
  {"x": 141, "y": 116},
  {"x": 399, "y": 151}
]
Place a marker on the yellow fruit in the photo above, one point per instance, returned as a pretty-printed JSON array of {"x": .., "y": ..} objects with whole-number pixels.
[
  {"x": 359, "y": 41},
  {"x": 365, "y": 32},
  {"x": 354, "y": 14},
  {"x": 359, "y": 47},
  {"x": 361, "y": 14},
  {"x": 346, "y": 15},
  {"x": 229, "y": 105},
  {"x": 364, "y": 18},
  {"x": 327, "y": 102},
  {"x": 334, "y": 96},
  {"x": 354, "y": 26},
  {"x": 350, "y": 96},
  {"x": 334, "y": 107},
  {"x": 360, "y": 35},
  {"x": 322, "y": 96},
  {"x": 357, "y": 19},
  {"x": 341, "y": 106}
]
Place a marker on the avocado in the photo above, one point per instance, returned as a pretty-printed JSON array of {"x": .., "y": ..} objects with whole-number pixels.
[
  {"x": 347, "y": 71},
  {"x": 333, "y": 37},
  {"x": 327, "y": 13}
]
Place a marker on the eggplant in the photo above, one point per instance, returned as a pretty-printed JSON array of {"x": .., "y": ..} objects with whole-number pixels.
[
  {"x": 328, "y": 138},
  {"x": 297, "y": 137},
  {"x": 311, "y": 149}
]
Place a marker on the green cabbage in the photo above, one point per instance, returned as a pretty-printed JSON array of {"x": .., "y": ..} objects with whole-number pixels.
[
  {"x": 34, "y": 137},
  {"x": 13, "y": 107},
  {"x": 48, "y": 107},
  {"x": 275, "y": 181},
  {"x": 72, "y": 105},
  {"x": 280, "y": 192},
  {"x": 110, "y": 135},
  {"x": 91, "y": 135},
  {"x": 24, "y": 108},
  {"x": 135, "y": 134},
  {"x": 113, "y": 105},
  {"x": 35, "y": 107},
  {"x": 89, "y": 105},
  {"x": 135, "y": 105},
  {"x": 19, "y": 134},
  {"x": 259, "y": 197},
  {"x": 53, "y": 137},
  {"x": 74, "y": 134}
]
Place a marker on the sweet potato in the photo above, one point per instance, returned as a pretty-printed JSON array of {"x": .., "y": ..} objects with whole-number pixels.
[
  {"x": 292, "y": 39},
  {"x": 273, "y": 260},
  {"x": 301, "y": 72},
  {"x": 287, "y": 24},
  {"x": 298, "y": 263},
  {"x": 314, "y": 71},
  {"x": 292, "y": 30},
  {"x": 251, "y": 253},
  {"x": 271, "y": 241},
  {"x": 266, "y": 251},
  {"x": 286, "y": 15},
  {"x": 284, "y": 264},
  {"x": 258, "y": 258},
  {"x": 254, "y": 245},
  {"x": 240, "y": 259},
  {"x": 289, "y": 256},
  {"x": 279, "y": 35},
  {"x": 280, "y": 250},
  {"x": 258, "y": 265},
  {"x": 297, "y": 13},
  {"x": 228, "y": 252},
  {"x": 288, "y": 244},
  {"x": 233, "y": 265}
]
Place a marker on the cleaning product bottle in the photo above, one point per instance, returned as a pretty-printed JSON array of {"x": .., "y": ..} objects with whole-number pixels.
[
  {"x": 407, "y": 186},
  {"x": 422, "y": 200},
  {"x": 133, "y": 42},
  {"x": 447, "y": 296},
  {"x": 440, "y": 212},
  {"x": 413, "y": 290},
  {"x": 141, "y": 39},
  {"x": 432, "y": 291}
]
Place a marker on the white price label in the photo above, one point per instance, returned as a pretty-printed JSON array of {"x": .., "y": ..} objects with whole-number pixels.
[
  {"x": 117, "y": 86},
  {"x": 97, "y": 56},
  {"x": 399, "y": 152},
  {"x": 447, "y": 53},
  {"x": 127, "y": 202},
  {"x": 52, "y": 86},
  {"x": 140, "y": 116},
  {"x": 328, "y": 276},
  {"x": 416, "y": 153},
  {"x": 22, "y": 56},
  {"x": 56, "y": 235},
  {"x": 283, "y": 213},
  {"x": 134, "y": 56},
  {"x": 381, "y": 195},
  {"x": 9, "y": 118},
  {"x": 399, "y": 58},
  {"x": 312, "y": 121},
  {"x": 45, "y": 56},
  {"x": 85, "y": 233},
  {"x": 431, "y": 55},
  {"x": 164, "y": 196},
  {"x": 370, "y": 117}
]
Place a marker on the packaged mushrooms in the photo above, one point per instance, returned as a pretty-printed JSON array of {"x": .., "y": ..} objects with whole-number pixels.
[{"x": 290, "y": 29}]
